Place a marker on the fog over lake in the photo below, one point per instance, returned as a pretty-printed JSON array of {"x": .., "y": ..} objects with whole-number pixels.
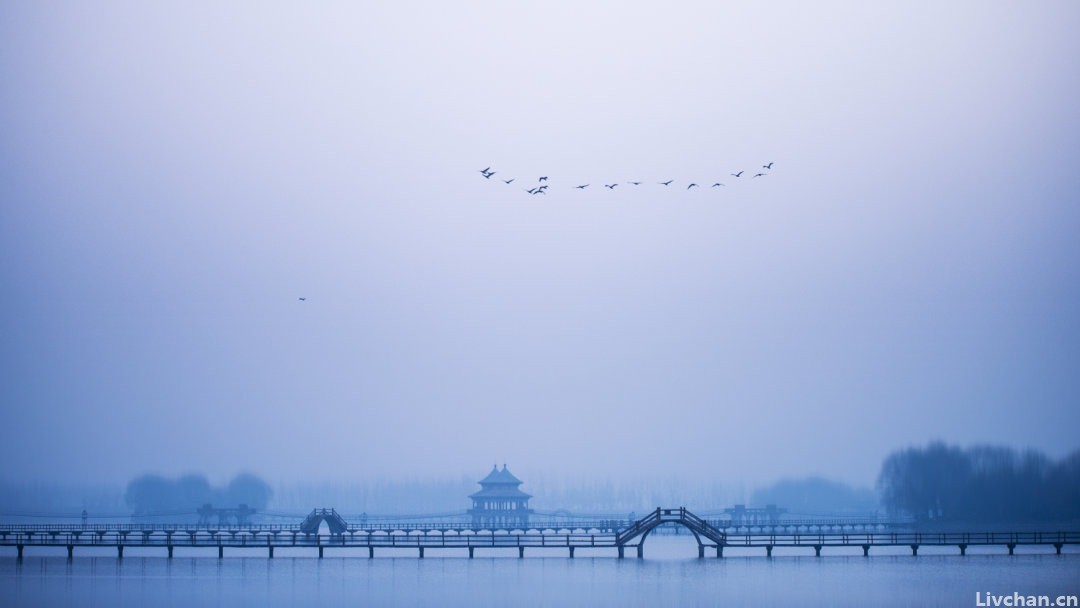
[{"x": 174, "y": 177}]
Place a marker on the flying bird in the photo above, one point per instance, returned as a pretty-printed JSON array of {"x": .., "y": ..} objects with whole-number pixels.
[
  {"x": 543, "y": 179},
  {"x": 582, "y": 187},
  {"x": 507, "y": 181},
  {"x": 303, "y": 299},
  {"x": 768, "y": 166},
  {"x": 759, "y": 175},
  {"x": 610, "y": 186},
  {"x": 668, "y": 182},
  {"x": 485, "y": 170},
  {"x": 544, "y": 187},
  {"x": 691, "y": 186},
  {"x": 636, "y": 183},
  {"x": 488, "y": 175},
  {"x": 717, "y": 184},
  {"x": 739, "y": 174},
  {"x": 533, "y": 191}
]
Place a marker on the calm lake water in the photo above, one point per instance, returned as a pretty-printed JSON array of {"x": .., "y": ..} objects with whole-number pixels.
[{"x": 670, "y": 575}]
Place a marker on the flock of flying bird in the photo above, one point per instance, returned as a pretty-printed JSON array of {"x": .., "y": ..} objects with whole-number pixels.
[{"x": 542, "y": 183}]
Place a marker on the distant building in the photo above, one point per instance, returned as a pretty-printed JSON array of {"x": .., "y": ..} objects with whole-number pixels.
[{"x": 500, "y": 502}]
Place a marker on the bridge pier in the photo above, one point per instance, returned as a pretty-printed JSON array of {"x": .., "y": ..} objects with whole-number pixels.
[
  {"x": 170, "y": 548},
  {"x": 470, "y": 552},
  {"x": 817, "y": 550},
  {"x": 963, "y": 549},
  {"x": 701, "y": 551},
  {"x": 20, "y": 549},
  {"x": 119, "y": 551},
  {"x": 641, "y": 551},
  {"x": 719, "y": 551},
  {"x": 768, "y": 550},
  {"x": 620, "y": 552},
  {"x": 571, "y": 553},
  {"x": 371, "y": 552},
  {"x": 71, "y": 552},
  {"x": 220, "y": 551},
  {"x": 1057, "y": 548},
  {"x": 521, "y": 552},
  {"x": 271, "y": 548},
  {"x": 866, "y": 550},
  {"x": 421, "y": 553},
  {"x": 914, "y": 550},
  {"x": 321, "y": 550},
  {"x": 1011, "y": 547}
]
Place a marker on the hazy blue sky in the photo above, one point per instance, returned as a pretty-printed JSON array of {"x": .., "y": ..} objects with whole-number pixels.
[{"x": 173, "y": 176}]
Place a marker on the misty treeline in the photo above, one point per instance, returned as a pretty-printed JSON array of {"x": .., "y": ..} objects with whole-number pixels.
[
  {"x": 816, "y": 496},
  {"x": 154, "y": 494},
  {"x": 982, "y": 483}
]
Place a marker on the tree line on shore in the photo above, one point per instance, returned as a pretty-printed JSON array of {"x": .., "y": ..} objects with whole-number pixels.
[{"x": 940, "y": 482}]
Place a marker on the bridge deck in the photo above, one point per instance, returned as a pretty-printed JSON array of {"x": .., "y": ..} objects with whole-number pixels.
[{"x": 568, "y": 536}]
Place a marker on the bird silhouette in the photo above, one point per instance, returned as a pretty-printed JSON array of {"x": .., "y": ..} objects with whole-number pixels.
[
  {"x": 539, "y": 191},
  {"x": 739, "y": 174},
  {"x": 488, "y": 175},
  {"x": 485, "y": 170},
  {"x": 507, "y": 181},
  {"x": 668, "y": 182},
  {"x": 759, "y": 175},
  {"x": 691, "y": 186},
  {"x": 768, "y": 166},
  {"x": 543, "y": 179},
  {"x": 533, "y": 191},
  {"x": 582, "y": 187},
  {"x": 610, "y": 186},
  {"x": 636, "y": 183},
  {"x": 544, "y": 187},
  {"x": 717, "y": 184},
  {"x": 303, "y": 299}
]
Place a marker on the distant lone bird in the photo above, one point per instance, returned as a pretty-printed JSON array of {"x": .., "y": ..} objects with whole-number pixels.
[
  {"x": 610, "y": 186},
  {"x": 543, "y": 179},
  {"x": 303, "y": 299},
  {"x": 582, "y": 187},
  {"x": 636, "y": 183},
  {"x": 759, "y": 175},
  {"x": 739, "y": 174},
  {"x": 691, "y": 186},
  {"x": 507, "y": 181},
  {"x": 717, "y": 184},
  {"x": 768, "y": 166},
  {"x": 668, "y": 182}
]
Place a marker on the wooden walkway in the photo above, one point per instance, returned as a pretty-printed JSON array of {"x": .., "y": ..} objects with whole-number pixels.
[{"x": 565, "y": 536}]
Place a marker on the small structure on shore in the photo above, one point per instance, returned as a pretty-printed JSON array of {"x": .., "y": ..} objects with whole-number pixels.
[{"x": 500, "y": 501}]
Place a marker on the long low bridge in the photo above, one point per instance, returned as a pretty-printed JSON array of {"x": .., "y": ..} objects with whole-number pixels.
[{"x": 569, "y": 536}]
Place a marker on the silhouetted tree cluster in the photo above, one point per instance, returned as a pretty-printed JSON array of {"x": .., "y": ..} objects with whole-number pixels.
[
  {"x": 983, "y": 483},
  {"x": 154, "y": 494}
]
